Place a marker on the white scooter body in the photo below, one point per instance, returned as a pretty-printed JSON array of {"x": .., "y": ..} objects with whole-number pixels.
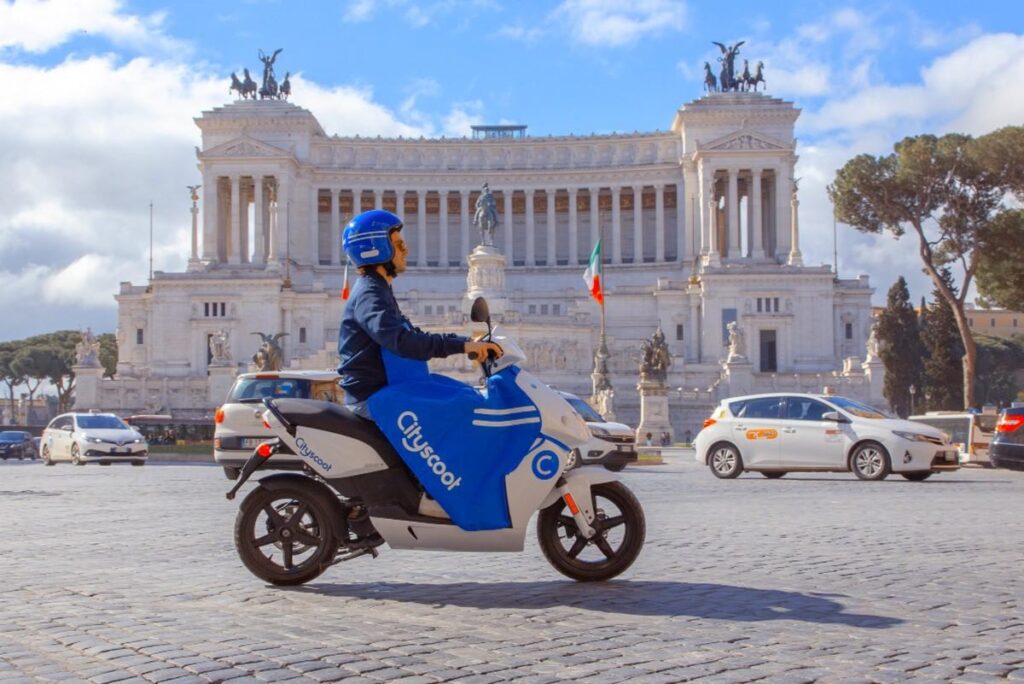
[{"x": 335, "y": 456}]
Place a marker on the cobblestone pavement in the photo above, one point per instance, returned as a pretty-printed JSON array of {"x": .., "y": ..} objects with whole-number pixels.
[{"x": 129, "y": 574}]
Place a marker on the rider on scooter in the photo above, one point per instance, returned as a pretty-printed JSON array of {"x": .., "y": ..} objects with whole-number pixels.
[{"x": 373, "y": 322}]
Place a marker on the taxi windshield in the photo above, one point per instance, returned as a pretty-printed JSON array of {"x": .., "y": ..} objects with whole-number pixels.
[
  {"x": 100, "y": 422},
  {"x": 857, "y": 409}
]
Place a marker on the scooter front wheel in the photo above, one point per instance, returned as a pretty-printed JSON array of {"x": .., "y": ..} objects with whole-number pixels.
[
  {"x": 284, "y": 535},
  {"x": 620, "y": 527}
]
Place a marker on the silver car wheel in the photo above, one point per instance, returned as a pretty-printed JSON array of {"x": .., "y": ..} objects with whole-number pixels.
[
  {"x": 723, "y": 460},
  {"x": 869, "y": 462}
]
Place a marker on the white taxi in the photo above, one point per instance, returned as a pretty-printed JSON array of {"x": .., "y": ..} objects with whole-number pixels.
[
  {"x": 92, "y": 438},
  {"x": 778, "y": 433}
]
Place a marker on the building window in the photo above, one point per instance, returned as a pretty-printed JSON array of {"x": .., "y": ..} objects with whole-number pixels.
[
  {"x": 1014, "y": 322},
  {"x": 543, "y": 309},
  {"x": 223, "y": 308},
  {"x": 993, "y": 323},
  {"x": 970, "y": 321},
  {"x": 775, "y": 303},
  {"x": 428, "y": 310},
  {"x": 139, "y": 337},
  {"x": 759, "y": 300},
  {"x": 679, "y": 330},
  {"x": 302, "y": 336},
  {"x": 532, "y": 308},
  {"x": 849, "y": 331},
  {"x": 556, "y": 309},
  {"x": 451, "y": 308},
  {"x": 206, "y": 308}
]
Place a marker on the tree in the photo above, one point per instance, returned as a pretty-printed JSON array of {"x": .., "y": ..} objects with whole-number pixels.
[
  {"x": 943, "y": 368},
  {"x": 1001, "y": 263},
  {"x": 900, "y": 348},
  {"x": 54, "y": 359},
  {"x": 8, "y": 374},
  {"x": 951, "y": 191},
  {"x": 997, "y": 360}
]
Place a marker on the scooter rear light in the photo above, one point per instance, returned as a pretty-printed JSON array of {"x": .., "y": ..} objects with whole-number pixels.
[
  {"x": 264, "y": 450},
  {"x": 1009, "y": 423},
  {"x": 709, "y": 422},
  {"x": 218, "y": 416}
]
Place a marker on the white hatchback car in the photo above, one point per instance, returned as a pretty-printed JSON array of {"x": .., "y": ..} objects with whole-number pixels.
[
  {"x": 92, "y": 438},
  {"x": 239, "y": 421},
  {"x": 777, "y": 433},
  {"x": 610, "y": 445}
]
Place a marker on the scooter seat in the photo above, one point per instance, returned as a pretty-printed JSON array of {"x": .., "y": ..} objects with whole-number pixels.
[{"x": 323, "y": 415}]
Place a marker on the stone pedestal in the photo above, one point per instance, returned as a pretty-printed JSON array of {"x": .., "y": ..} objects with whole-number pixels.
[
  {"x": 222, "y": 377},
  {"x": 87, "y": 387},
  {"x": 738, "y": 376},
  {"x": 654, "y": 416},
  {"x": 486, "y": 278},
  {"x": 874, "y": 374}
]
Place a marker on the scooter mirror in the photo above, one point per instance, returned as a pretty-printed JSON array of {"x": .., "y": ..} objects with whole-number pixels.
[{"x": 479, "y": 313}]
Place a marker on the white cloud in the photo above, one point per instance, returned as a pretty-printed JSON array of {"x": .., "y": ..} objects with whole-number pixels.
[
  {"x": 40, "y": 25},
  {"x": 522, "y": 33},
  {"x": 416, "y": 14},
  {"x": 604, "y": 23},
  {"x": 463, "y": 115}
]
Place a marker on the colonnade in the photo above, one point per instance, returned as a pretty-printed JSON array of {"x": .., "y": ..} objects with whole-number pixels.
[
  {"x": 561, "y": 233},
  {"x": 762, "y": 230},
  {"x": 226, "y": 219}
]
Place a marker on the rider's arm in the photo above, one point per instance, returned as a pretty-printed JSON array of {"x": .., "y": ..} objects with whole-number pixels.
[{"x": 388, "y": 328}]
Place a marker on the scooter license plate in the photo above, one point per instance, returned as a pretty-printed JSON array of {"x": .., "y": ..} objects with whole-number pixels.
[{"x": 251, "y": 442}]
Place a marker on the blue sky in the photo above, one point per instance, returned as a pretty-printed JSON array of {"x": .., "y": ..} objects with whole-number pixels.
[{"x": 100, "y": 95}]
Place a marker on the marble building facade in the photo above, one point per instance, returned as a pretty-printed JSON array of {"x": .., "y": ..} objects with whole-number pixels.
[{"x": 699, "y": 225}]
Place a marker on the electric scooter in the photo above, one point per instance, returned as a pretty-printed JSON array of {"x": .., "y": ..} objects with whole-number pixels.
[{"x": 443, "y": 466}]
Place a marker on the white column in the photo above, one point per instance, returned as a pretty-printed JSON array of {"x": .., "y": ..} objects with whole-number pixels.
[
  {"x": 714, "y": 257},
  {"x": 509, "y": 198},
  {"x": 686, "y": 213},
  {"x": 757, "y": 250},
  {"x": 705, "y": 200},
  {"x": 421, "y": 228},
  {"x": 234, "y": 204},
  {"x": 313, "y": 235},
  {"x": 282, "y": 227},
  {"x": 595, "y": 216},
  {"x": 783, "y": 198},
  {"x": 616, "y": 225},
  {"x": 210, "y": 216},
  {"x": 243, "y": 218},
  {"x": 638, "y": 224},
  {"x": 378, "y": 201},
  {"x": 531, "y": 241},
  {"x": 442, "y": 226},
  {"x": 335, "y": 228},
  {"x": 357, "y": 202},
  {"x": 194, "y": 254},
  {"x": 259, "y": 246},
  {"x": 659, "y": 223},
  {"x": 693, "y": 338},
  {"x": 464, "y": 224},
  {"x": 733, "y": 214},
  {"x": 552, "y": 256},
  {"x": 795, "y": 258},
  {"x": 574, "y": 239}
]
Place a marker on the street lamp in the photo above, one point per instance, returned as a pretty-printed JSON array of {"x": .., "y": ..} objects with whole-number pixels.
[{"x": 913, "y": 391}]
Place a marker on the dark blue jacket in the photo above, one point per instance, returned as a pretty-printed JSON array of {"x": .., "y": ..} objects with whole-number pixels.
[{"x": 373, "y": 320}]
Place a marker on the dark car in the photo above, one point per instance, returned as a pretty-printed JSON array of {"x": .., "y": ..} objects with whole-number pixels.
[
  {"x": 1007, "y": 447},
  {"x": 16, "y": 444}
]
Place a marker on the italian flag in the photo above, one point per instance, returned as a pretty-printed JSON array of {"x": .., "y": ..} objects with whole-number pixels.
[{"x": 592, "y": 275}]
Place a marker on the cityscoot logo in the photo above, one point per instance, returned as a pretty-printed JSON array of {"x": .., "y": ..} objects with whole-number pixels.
[
  {"x": 409, "y": 424},
  {"x": 306, "y": 452}
]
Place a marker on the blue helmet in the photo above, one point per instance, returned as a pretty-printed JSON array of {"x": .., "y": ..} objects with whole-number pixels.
[{"x": 367, "y": 237}]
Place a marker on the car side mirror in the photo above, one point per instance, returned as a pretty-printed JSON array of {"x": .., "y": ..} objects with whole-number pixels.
[
  {"x": 834, "y": 416},
  {"x": 480, "y": 312},
  {"x": 68, "y": 428}
]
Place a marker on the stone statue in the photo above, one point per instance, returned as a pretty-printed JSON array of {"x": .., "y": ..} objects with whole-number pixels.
[
  {"x": 269, "y": 357},
  {"x": 737, "y": 343},
  {"x": 728, "y": 81},
  {"x": 758, "y": 77},
  {"x": 193, "y": 191},
  {"x": 604, "y": 403},
  {"x": 87, "y": 351},
  {"x": 286, "y": 86},
  {"x": 873, "y": 348},
  {"x": 486, "y": 216},
  {"x": 220, "y": 347},
  {"x": 269, "y": 89},
  {"x": 656, "y": 358},
  {"x": 245, "y": 88}
]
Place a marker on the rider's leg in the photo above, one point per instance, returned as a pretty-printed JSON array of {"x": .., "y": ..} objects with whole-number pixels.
[{"x": 360, "y": 408}]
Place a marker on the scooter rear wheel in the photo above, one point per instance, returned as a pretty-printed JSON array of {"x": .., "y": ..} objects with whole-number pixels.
[
  {"x": 620, "y": 527},
  {"x": 284, "y": 535}
]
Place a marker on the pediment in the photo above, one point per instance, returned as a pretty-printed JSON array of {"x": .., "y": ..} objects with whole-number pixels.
[
  {"x": 745, "y": 140},
  {"x": 244, "y": 147}
]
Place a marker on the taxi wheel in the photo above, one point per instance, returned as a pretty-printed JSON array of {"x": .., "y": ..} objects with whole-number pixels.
[
  {"x": 917, "y": 477},
  {"x": 46, "y": 456},
  {"x": 724, "y": 461},
  {"x": 76, "y": 456},
  {"x": 773, "y": 474},
  {"x": 870, "y": 461}
]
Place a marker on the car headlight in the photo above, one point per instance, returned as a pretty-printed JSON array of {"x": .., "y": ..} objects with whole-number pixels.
[
  {"x": 598, "y": 431},
  {"x": 912, "y": 436},
  {"x": 94, "y": 440},
  {"x": 137, "y": 441}
]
